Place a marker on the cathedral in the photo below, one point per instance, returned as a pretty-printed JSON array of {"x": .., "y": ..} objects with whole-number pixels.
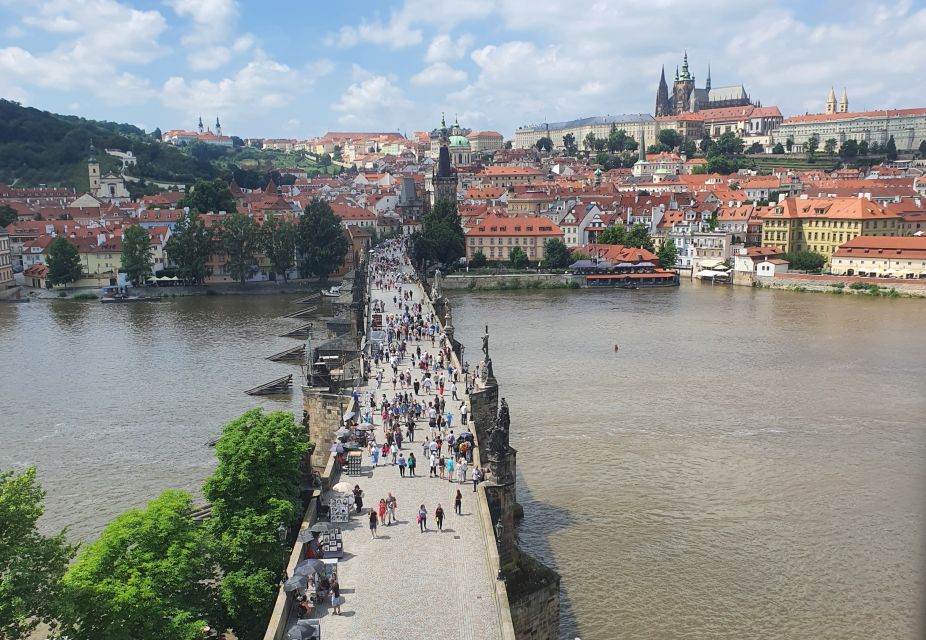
[{"x": 686, "y": 98}]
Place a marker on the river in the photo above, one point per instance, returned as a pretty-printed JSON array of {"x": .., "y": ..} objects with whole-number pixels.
[{"x": 750, "y": 464}]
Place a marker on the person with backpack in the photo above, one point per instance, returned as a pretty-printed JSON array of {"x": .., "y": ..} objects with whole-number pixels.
[
  {"x": 402, "y": 465},
  {"x": 373, "y": 522},
  {"x": 422, "y": 519},
  {"x": 391, "y": 505},
  {"x": 412, "y": 463}
]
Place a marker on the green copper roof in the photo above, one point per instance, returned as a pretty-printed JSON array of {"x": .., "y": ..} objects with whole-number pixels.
[{"x": 458, "y": 141}]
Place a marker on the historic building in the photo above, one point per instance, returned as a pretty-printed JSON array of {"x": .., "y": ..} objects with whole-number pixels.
[
  {"x": 635, "y": 125},
  {"x": 686, "y": 97},
  {"x": 906, "y": 126},
  {"x": 457, "y": 143},
  {"x": 444, "y": 178},
  {"x": 104, "y": 187}
]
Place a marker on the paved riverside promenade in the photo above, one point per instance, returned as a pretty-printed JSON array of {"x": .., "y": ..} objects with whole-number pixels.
[{"x": 406, "y": 584}]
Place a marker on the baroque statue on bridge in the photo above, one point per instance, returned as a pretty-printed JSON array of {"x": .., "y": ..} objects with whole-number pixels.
[
  {"x": 498, "y": 437},
  {"x": 435, "y": 288}
]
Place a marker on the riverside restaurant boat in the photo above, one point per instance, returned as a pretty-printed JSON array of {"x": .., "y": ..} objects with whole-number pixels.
[
  {"x": 120, "y": 294},
  {"x": 603, "y": 274}
]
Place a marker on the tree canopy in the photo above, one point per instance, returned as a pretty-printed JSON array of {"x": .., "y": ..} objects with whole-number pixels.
[
  {"x": 241, "y": 239},
  {"x": 31, "y": 565},
  {"x": 190, "y": 246},
  {"x": 147, "y": 576},
  {"x": 670, "y": 138},
  {"x": 209, "y": 196},
  {"x": 279, "y": 242},
  {"x": 441, "y": 237},
  {"x": 569, "y": 144},
  {"x": 544, "y": 144},
  {"x": 320, "y": 240},
  {"x": 517, "y": 257},
  {"x": 556, "y": 254},
  {"x": 8, "y": 215},
  {"x": 890, "y": 150},
  {"x": 667, "y": 254},
  {"x": 64, "y": 266},
  {"x": 136, "y": 253},
  {"x": 805, "y": 260}
]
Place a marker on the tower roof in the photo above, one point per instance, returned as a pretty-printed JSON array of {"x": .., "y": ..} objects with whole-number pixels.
[
  {"x": 832, "y": 96},
  {"x": 844, "y": 98}
]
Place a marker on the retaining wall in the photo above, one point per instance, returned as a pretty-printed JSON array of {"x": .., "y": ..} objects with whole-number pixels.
[
  {"x": 507, "y": 280},
  {"x": 825, "y": 283}
]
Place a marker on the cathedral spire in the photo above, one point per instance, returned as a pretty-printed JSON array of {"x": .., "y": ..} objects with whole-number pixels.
[
  {"x": 708, "y": 84},
  {"x": 676, "y": 73},
  {"x": 685, "y": 74},
  {"x": 641, "y": 156},
  {"x": 663, "y": 108}
]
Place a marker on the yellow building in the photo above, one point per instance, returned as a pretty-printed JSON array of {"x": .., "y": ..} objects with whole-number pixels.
[
  {"x": 100, "y": 258},
  {"x": 821, "y": 225}
]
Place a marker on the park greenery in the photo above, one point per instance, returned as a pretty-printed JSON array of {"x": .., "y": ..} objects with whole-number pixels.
[
  {"x": 279, "y": 241},
  {"x": 320, "y": 241},
  {"x": 64, "y": 266},
  {"x": 156, "y": 572},
  {"x": 805, "y": 260},
  {"x": 517, "y": 258},
  {"x": 31, "y": 564},
  {"x": 8, "y": 215},
  {"x": 637, "y": 236},
  {"x": 667, "y": 253},
  {"x": 242, "y": 241},
  {"x": 556, "y": 254},
  {"x": 189, "y": 247}
]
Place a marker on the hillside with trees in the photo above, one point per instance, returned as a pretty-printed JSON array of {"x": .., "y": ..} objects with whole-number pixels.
[{"x": 38, "y": 147}]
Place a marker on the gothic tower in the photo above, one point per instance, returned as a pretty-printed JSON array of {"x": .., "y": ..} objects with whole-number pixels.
[
  {"x": 218, "y": 126},
  {"x": 831, "y": 102},
  {"x": 707, "y": 85},
  {"x": 844, "y": 102},
  {"x": 93, "y": 170},
  {"x": 199, "y": 127},
  {"x": 682, "y": 88},
  {"x": 445, "y": 178},
  {"x": 663, "y": 107}
]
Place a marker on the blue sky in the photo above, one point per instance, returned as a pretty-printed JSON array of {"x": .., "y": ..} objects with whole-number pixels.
[{"x": 298, "y": 69}]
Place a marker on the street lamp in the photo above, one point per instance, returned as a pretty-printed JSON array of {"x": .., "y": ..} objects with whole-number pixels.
[{"x": 499, "y": 530}]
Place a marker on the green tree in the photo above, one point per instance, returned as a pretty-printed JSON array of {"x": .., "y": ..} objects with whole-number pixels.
[
  {"x": 255, "y": 487},
  {"x": 849, "y": 149},
  {"x": 569, "y": 144},
  {"x": 805, "y": 260},
  {"x": 670, "y": 138},
  {"x": 478, "y": 260},
  {"x": 279, "y": 242},
  {"x": 589, "y": 142},
  {"x": 136, "y": 253},
  {"x": 778, "y": 149},
  {"x": 336, "y": 156},
  {"x": 657, "y": 148},
  {"x": 667, "y": 254},
  {"x": 813, "y": 143},
  {"x": 613, "y": 235},
  {"x": 863, "y": 148},
  {"x": 31, "y": 565},
  {"x": 830, "y": 146},
  {"x": 728, "y": 144},
  {"x": 441, "y": 237},
  {"x": 156, "y": 134},
  {"x": 64, "y": 265},
  {"x": 320, "y": 241},
  {"x": 789, "y": 144},
  {"x": 556, "y": 254},
  {"x": 890, "y": 150},
  {"x": 705, "y": 143},
  {"x": 874, "y": 147},
  {"x": 617, "y": 138},
  {"x": 756, "y": 147},
  {"x": 638, "y": 236},
  {"x": 189, "y": 247},
  {"x": 241, "y": 240},
  {"x": 517, "y": 257},
  {"x": 8, "y": 215},
  {"x": 206, "y": 196},
  {"x": 689, "y": 148},
  {"x": 544, "y": 144},
  {"x": 325, "y": 160},
  {"x": 147, "y": 576},
  {"x": 508, "y": 144},
  {"x": 923, "y": 149}
]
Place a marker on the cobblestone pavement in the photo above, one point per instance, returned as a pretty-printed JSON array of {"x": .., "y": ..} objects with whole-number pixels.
[{"x": 406, "y": 584}]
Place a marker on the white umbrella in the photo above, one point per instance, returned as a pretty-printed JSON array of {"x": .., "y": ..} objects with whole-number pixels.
[
  {"x": 337, "y": 447},
  {"x": 342, "y": 487},
  {"x": 340, "y": 433}
]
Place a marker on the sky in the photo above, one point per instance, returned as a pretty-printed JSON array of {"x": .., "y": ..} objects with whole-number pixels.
[{"x": 299, "y": 68}]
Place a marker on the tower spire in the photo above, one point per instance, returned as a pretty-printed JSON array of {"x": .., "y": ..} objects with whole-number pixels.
[
  {"x": 708, "y": 84},
  {"x": 685, "y": 74}
]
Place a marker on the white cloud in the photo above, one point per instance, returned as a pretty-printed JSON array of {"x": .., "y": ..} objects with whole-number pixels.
[
  {"x": 439, "y": 73},
  {"x": 444, "y": 47},
  {"x": 262, "y": 84},
  {"x": 370, "y": 98},
  {"x": 90, "y": 53},
  {"x": 213, "y": 26}
]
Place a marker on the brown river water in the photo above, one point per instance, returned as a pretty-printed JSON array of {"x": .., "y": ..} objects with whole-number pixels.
[{"x": 751, "y": 464}]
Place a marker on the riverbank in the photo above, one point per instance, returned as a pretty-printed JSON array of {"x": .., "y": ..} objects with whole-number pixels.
[
  {"x": 845, "y": 285},
  {"x": 218, "y": 289}
]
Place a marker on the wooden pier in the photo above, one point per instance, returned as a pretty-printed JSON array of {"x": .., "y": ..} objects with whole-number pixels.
[
  {"x": 302, "y": 313},
  {"x": 311, "y": 299},
  {"x": 296, "y": 354},
  {"x": 280, "y": 385}
]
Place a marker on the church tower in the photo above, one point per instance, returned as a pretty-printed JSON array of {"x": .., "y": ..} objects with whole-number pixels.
[
  {"x": 218, "y": 126},
  {"x": 682, "y": 88},
  {"x": 707, "y": 85},
  {"x": 663, "y": 107},
  {"x": 844, "y": 102},
  {"x": 93, "y": 170},
  {"x": 831, "y": 102},
  {"x": 444, "y": 178},
  {"x": 199, "y": 127}
]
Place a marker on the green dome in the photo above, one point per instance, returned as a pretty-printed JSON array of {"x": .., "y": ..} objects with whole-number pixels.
[{"x": 458, "y": 141}]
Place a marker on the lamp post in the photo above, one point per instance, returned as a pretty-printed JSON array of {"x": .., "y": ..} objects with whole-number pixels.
[
  {"x": 283, "y": 534},
  {"x": 499, "y": 530}
]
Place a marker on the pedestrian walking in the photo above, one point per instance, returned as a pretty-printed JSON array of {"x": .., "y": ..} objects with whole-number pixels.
[
  {"x": 439, "y": 517},
  {"x": 381, "y": 509},
  {"x": 453, "y": 390},
  {"x": 477, "y": 477},
  {"x": 450, "y": 468},
  {"x": 412, "y": 463},
  {"x": 358, "y": 498},
  {"x": 373, "y": 521},
  {"x": 391, "y": 505},
  {"x": 433, "y": 462},
  {"x": 463, "y": 412},
  {"x": 336, "y": 599},
  {"x": 458, "y": 503},
  {"x": 374, "y": 455},
  {"x": 394, "y": 451},
  {"x": 422, "y": 519},
  {"x": 402, "y": 465},
  {"x": 461, "y": 470},
  {"x": 416, "y": 385}
]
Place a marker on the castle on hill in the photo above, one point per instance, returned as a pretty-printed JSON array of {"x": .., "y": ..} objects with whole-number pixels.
[{"x": 687, "y": 98}]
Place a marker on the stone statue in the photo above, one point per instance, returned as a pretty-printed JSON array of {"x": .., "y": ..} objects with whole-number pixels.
[
  {"x": 498, "y": 437},
  {"x": 485, "y": 344},
  {"x": 435, "y": 289},
  {"x": 448, "y": 315}
]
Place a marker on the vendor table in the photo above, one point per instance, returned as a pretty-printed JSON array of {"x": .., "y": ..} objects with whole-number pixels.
[{"x": 354, "y": 459}]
